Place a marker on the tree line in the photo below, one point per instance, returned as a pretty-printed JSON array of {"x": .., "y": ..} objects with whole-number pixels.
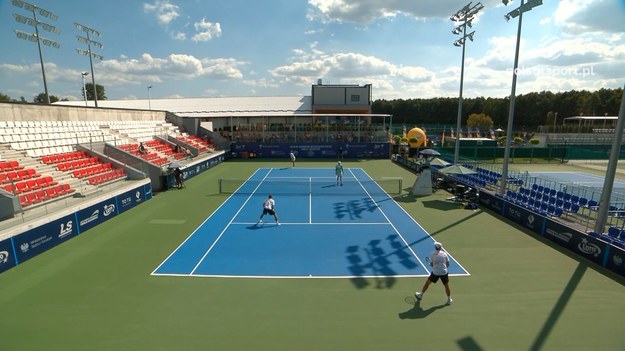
[
  {"x": 41, "y": 97},
  {"x": 531, "y": 110}
]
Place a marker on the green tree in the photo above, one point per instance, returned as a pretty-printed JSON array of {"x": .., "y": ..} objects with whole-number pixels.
[
  {"x": 41, "y": 99},
  {"x": 4, "y": 98},
  {"x": 101, "y": 92},
  {"x": 481, "y": 121}
]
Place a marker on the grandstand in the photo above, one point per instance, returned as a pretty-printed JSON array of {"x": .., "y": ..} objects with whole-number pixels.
[{"x": 51, "y": 167}]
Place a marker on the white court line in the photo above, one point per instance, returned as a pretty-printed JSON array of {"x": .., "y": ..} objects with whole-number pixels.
[{"x": 228, "y": 225}]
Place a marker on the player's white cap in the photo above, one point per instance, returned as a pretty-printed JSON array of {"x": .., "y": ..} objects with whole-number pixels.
[
  {"x": 438, "y": 245},
  {"x": 339, "y": 162}
]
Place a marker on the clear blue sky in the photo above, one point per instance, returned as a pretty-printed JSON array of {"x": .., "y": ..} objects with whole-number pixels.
[{"x": 202, "y": 48}]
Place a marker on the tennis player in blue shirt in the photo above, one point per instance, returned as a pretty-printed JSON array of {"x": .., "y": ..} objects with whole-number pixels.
[{"x": 339, "y": 173}]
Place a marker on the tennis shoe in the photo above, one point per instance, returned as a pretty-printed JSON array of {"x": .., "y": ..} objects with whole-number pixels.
[
  {"x": 418, "y": 295},
  {"x": 260, "y": 221},
  {"x": 278, "y": 223},
  {"x": 449, "y": 301}
]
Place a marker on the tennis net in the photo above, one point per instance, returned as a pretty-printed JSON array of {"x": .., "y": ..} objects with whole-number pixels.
[{"x": 392, "y": 186}]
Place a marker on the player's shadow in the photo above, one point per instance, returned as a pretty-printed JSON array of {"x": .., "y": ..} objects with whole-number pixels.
[
  {"x": 417, "y": 312},
  {"x": 261, "y": 226}
]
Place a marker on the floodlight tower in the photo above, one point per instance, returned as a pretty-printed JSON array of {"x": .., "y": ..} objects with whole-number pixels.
[
  {"x": 518, "y": 12},
  {"x": 87, "y": 40},
  {"x": 34, "y": 22},
  {"x": 464, "y": 16}
]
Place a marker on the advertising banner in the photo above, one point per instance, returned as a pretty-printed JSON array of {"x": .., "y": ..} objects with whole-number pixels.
[
  {"x": 192, "y": 171},
  {"x": 91, "y": 216},
  {"x": 33, "y": 242},
  {"x": 310, "y": 150},
  {"x": 130, "y": 199},
  {"x": 7, "y": 257},
  {"x": 147, "y": 189},
  {"x": 615, "y": 260},
  {"x": 524, "y": 217},
  {"x": 579, "y": 243},
  {"x": 491, "y": 202}
]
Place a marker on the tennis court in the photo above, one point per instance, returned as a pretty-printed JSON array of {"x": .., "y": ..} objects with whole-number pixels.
[
  {"x": 328, "y": 230},
  {"x": 588, "y": 185}
]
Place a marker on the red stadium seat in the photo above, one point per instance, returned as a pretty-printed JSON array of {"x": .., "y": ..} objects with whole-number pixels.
[
  {"x": 32, "y": 173},
  {"x": 51, "y": 192},
  {"x": 67, "y": 189},
  {"x": 32, "y": 198},
  {"x": 41, "y": 195},
  {"x": 24, "y": 201},
  {"x": 50, "y": 181},
  {"x": 32, "y": 184},
  {"x": 21, "y": 187},
  {"x": 15, "y": 165}
]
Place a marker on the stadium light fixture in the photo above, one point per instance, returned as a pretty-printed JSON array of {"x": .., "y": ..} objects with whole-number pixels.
[
  {"x": 84, "y": 87},
  {"x": 518, "y": 12},
  {"x": 35, "y": 23},
  {"x": 87, "y": 40},
  {"x": 464, "y": 16}
]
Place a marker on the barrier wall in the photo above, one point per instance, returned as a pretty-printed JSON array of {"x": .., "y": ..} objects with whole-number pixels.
[
  {"x": 579, "y": 243},
  {"x": 310, "y": 150},
  {"x": 192, "y": 171},
  {"x": 24, "y": 246}
]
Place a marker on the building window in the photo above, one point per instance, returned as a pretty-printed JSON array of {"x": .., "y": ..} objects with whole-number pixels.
[{"x": 355, "y": 98}]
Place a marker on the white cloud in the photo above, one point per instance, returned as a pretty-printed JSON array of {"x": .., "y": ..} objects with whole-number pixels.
[
  {"x": 206, "y": 31},
  {"x": 165, "y": 11},
  {"x": 367, "y": 11},
  {"x": 584, "y": 16},
  {"x": 179, "y": 35},
  {"x": 174, "y": 66}
]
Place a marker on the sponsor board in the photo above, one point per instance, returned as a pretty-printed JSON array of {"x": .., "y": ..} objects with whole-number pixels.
[
  {"x": 33, "y": 242},
  {"x": 93, "y": 215},
  {"x": 312, "y": 150},
  {"x": 130, "y": 199},
  {"x": 7, "y": 256},
  {"x": 190, "y": 172},
  {"x": 527, "y": 219},
  {"x": 576, "y": 242},
  {"x": 615, "y": 260},
  {"x": 491, "y": 202}
]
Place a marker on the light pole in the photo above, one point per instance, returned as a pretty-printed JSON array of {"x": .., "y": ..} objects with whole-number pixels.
[
  {"x": 464, "y": 16},
  {"x": 149, "y": 98},
  {"x": 36, "y": 37},
  {"x": 512, "y": 14},
  {"x": 84, "y": 87},
  {"x": 87, "y": 40}
]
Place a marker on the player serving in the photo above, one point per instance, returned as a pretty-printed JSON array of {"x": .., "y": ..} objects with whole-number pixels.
[{"x": 339, "y": 173}]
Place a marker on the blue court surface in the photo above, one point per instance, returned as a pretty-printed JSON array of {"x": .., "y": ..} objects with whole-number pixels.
[{"x": 327, "y": 231}]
